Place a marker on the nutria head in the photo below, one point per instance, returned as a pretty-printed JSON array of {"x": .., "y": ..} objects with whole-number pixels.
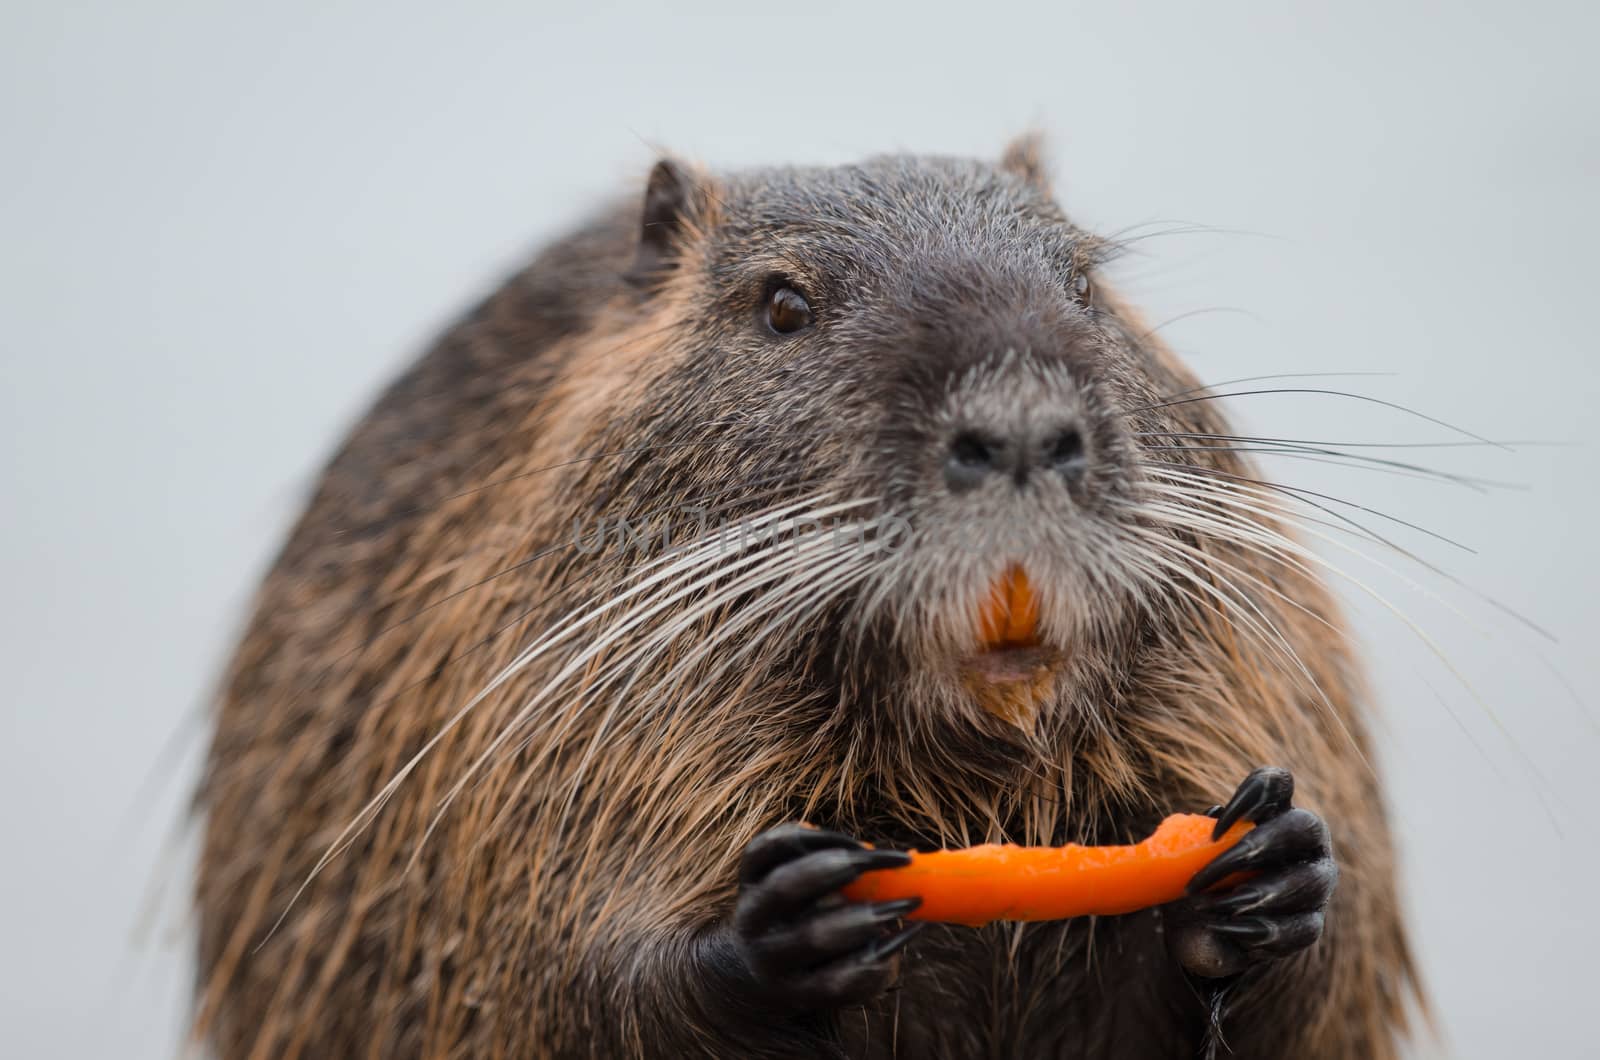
[{"x": 915, "y": 360}]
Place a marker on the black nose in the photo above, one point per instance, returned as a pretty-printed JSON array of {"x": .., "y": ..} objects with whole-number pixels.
[{"x": 976, "y": 456}]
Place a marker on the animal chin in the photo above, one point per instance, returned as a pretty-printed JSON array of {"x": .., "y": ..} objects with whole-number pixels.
[{"x": 1012, "y": 671}]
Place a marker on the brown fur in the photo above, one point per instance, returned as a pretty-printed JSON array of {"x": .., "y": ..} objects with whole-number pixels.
[{"x": 526, "y": 915}]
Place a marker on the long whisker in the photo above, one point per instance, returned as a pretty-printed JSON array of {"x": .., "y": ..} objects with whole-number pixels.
[
  {"x": 528, "y": 612},
  {"x": 1366, "y": 532},
  {"x": 563, "y": 630},
  {"x": 637, "y": 661},
  {"x": 651, "y": 606},
  {"x": 741, "y": 489},
  {"x": 1287, "y": 550},
  {"x": 1261, "y": 625},
  {"x": 766, "y": 566},
  {"x": 820, "y": 588},
  {"x": 1528, "y": 764},
  {"x": 1476, "y": 485},
  {"x": 1289, "y": 546},
  {"x": 1118, "y": 241},
  {"x": 1275, "y": 375},
  {"x": 824, "y": 576},
  {"x": 1299, "y": 493},
  {"x": 1167, "y": 323},
  {"x": 1303, "y": 451},
  {"x": 1327, "y": 393},
  {"x": 1433, "y": 647},
  {"x": 1344, "y": 445}
]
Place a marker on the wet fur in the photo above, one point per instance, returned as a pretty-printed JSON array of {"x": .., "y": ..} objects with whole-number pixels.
[{"x": 546, "y": 908}]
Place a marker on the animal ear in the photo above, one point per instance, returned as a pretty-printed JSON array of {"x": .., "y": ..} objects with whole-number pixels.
[
  {"x": 671, "y": 198},
  {"x": 1024, "y": 157}
]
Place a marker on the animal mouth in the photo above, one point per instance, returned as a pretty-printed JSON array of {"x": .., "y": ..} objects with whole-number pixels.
[
  {"x": 1010, "y": 665},
  {"x": 1012, "y": 670}
]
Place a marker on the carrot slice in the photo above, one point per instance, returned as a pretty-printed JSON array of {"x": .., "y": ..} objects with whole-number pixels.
[{"x": 1003, "y": 882}]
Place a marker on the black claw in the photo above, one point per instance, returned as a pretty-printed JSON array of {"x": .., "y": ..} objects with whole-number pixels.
[
  {"x": 1302, "y": 888},
  {"x": 1272, "y": 936},
  {"x": 868, "y": 860},
  {"x": 1263, "y": 795},
  {"x": 828, "y": 870},
  {"x": 824, "y": 936},
  {"x": 1239, "y": 857},
  {"x": 1294, "y": 836},
  {"x": 785, "y": 843},
  {"x": 1245, "y": 898},
  {"x": 897, "y": 908},
  {"x": 892, "y": 944},
  {"x": 1248, "y": 931}
]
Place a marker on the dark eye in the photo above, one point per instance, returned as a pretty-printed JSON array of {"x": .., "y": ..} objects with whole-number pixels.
[
  {"x": 787, "y": 311},
  {"x": 1083, "y": 288}
]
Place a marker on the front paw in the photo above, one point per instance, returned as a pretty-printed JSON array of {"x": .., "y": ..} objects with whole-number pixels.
[
  {"x": 1278, "y": 908},
  {"x": 805, "y": 945}
]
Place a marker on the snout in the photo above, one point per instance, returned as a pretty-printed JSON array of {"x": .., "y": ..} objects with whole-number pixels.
[
  {"x": 1015, "y": 451},
  {"x": 1020, "y": 461},
  {"x": 1019, "y": 427}
]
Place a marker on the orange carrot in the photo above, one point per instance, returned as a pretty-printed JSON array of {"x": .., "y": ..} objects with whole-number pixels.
[{"x": 993, "y": 882}]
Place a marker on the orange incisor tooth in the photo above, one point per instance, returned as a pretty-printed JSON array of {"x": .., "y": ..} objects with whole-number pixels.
[{"x": 1010, "y": 617}]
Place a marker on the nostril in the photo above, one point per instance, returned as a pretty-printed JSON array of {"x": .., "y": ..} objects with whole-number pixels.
[
  {"x": 971, "y": 458},
  {"x": 976, "y": 456},
  {"x": 972, "y": 451},
  {"x": 1064, "y": 450}
]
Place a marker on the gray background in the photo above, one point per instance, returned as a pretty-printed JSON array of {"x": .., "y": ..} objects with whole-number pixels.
[{"x": 220, "y": 230}]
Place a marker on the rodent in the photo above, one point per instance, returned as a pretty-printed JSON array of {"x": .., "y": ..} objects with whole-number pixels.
[{"x": 482, "y": 786}]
